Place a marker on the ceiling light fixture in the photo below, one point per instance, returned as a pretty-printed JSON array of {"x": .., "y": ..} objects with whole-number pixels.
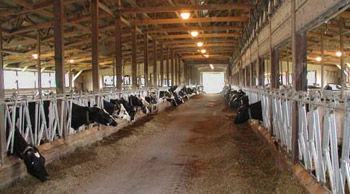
[
  {"x": 318, "y": 59},
  {"x": 203, "y": 51},
  {"x": 71, "y": 60},
  {"x": 185, "y": 15},
  {"x": 194, "y": 33},
  {"x": 339, "y": 54},
  {"x": 206, "y": 56},
  {"x": 199, "y": 44},
  {"x": 35, "y": 56}
]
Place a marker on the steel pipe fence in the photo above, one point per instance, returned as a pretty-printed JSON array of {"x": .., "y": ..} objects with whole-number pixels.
[
  {"x": 323, "y": 131},
  {"x": 48, "y": 122}
]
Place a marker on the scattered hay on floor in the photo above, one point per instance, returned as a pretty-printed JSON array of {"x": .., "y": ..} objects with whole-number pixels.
[
  {"x": 73, "y": 169},
  {"x": 233, "y": 160}
]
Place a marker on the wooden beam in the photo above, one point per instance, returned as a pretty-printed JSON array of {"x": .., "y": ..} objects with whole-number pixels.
[
  {"x": 178, "y": 36},
  {"x": 187, "y": 57},
  {"x": 205, "y": 41},
  {"x": 95, "y": 44},
  {"x": 35, "y": 8},
  {"x": 200, "y": 28},
  {"x": 192, "y": 20},
  {"x": 183, "y": 7},
  {"x": 204, "y": 46},
  {"x": 105, "y": 9},
  {"x": 118, "y": 46}
]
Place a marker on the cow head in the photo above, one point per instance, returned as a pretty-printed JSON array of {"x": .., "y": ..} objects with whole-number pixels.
[
  {"x": 99, "y": 115},
  {"x": 137, "y": 102},
  {"x": 35, "y": 163},
  {"x": 123, "y": 114}
]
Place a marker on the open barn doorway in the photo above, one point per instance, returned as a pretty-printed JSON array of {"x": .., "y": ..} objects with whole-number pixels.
[{"x": 213, "y": 82}]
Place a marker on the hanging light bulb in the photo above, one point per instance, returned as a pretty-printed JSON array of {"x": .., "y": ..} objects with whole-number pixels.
[
  {"x": 71, "y": 60},
  {"x": 206, "y": 56},
  {"x": 185, "y": 15},
  {"x": 339, "y": 54},
  {"x": 203, "y": 51},
  {"x": 35, "y": 56},
  {"x": 199, "y": 44},
  {"x": 194, "y": 33},
  {"x": 318, "y": 59}
]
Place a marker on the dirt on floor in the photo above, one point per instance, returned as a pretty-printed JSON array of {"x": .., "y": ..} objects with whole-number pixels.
[
  {"x": 72, "y": 169},
  {"x": 231, "y": 159},
  {"x": 216, "y": 156}
]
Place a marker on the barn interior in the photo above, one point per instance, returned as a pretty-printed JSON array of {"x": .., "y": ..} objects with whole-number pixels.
[{"x": 287, "y": 61}]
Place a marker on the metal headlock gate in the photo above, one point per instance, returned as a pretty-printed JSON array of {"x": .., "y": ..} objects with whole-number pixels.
[
  {"x": 323, "y": 131},
  {"x": 49, "y": 127}
]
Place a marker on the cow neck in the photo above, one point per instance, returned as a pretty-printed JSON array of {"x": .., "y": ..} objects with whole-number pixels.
[
  {"x": 20, "y": 145},
  {"x": 131, "y": 101},
  {"x": 87, "y": 113}
]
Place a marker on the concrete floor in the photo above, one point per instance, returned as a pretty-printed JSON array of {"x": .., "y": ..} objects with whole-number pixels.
[{"x": 198, "y": 151}]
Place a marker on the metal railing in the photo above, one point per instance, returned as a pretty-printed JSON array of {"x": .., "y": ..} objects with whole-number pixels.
[
  {"x": 323, "y": 131},
  {"x": 49, "y": 124}
]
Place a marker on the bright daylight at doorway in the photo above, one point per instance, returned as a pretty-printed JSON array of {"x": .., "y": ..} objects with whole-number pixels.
[{"x": 213, "y": 82}]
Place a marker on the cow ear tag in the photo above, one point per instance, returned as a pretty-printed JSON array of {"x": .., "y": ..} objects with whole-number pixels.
[{"x": 36, "y": 154}]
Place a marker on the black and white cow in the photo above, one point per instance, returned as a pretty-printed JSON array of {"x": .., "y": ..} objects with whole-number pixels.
[
  {"x": 34, "y": 161},
  {"x": 122, "y": 112},
  {"x": 131, "y": 110},
  {"x": 82, "y": 115},
  {"x": 136, "y": 102}
]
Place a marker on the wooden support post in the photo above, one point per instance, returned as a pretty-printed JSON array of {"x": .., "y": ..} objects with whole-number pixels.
[
  {"x": 167, "y": 67},
  {"x": 58, "y": 10},
  {"x": 322, "y": 61},
  {"x": 274, "y": 65},
  {"x": 245, "y": 77},
  {"x": 133, "y": 58},
  {"x": 145, "y": 59},
  {"x": 299, "y": 55},
  {"x": 118, "y": 46},
  {"x": 261, "y": 71},
  {"x": 342, "y": 64},
  {"x": 185, "y": 74},
  {"x": 179, "y": 70},
  {"x": 38, "y": 62},
  {"x": 252, "y": 80},
  {"x": 161, "y": 63},
  {"x": 2, "y": 101},
  {"x": 229, "y": 67},
  {"x": 94, "y": 47},
  {"x": 176, "y": 71},
  {"x": 114, "y": 68},
  {"x": 288, "y": 71},
  {"x": 155, "y": 72},
  {"x": 172, "y": 68}
]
